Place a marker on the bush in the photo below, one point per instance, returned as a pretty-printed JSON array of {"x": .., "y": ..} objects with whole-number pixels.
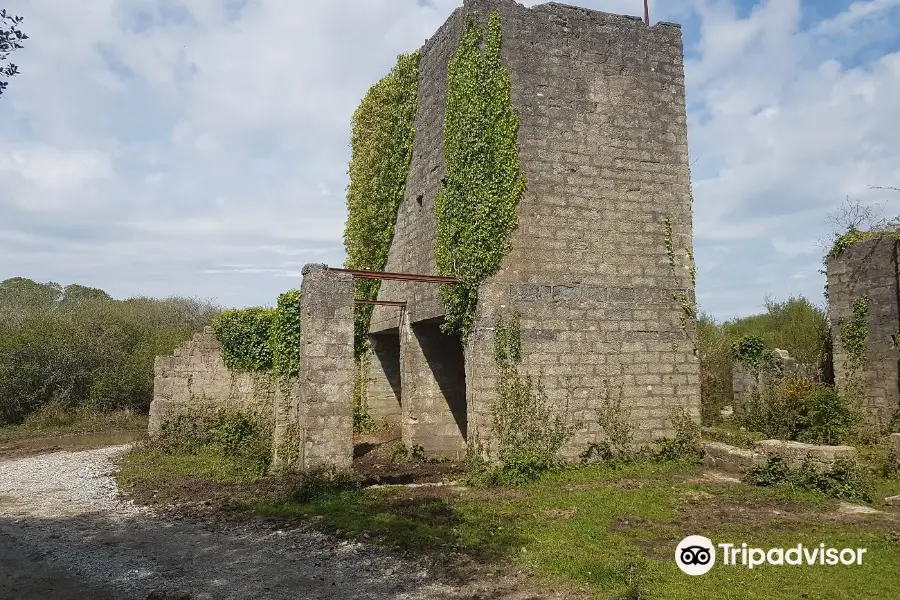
[
  {"x": 232, "y": 434},
  {"x": 685, "y": 446},
  {"x": 844, "y": 480},
  {"x": 245, "y": 336},
  {"x": 75, "y": 348},
  {"x": 715, "y": 369},
  {"x": 802, "y": 410}
]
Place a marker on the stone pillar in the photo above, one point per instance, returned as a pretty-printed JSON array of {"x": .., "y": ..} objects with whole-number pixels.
[
  {"x": 433, "y": 379},
  {"x": 325, "y": 407}
]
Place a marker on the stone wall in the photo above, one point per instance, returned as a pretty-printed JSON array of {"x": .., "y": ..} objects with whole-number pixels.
[
  {"x": 603, "y": 143},
  {"x": 746, "y": 380},
  {"x": 312, "y": 414},
  {"x": 195, "y": 377},
  {"x": 869, "y": 269}
]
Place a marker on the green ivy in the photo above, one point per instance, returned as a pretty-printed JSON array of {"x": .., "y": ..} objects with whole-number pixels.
[
  {"x": 285, "y": 340},
  {"x": 749, "y": 350},
  {"x": 244, "y": 335},
  {"x": 381, "y": 150},
  {"x": 476, "y": 207},
  {"x": 855, "y": 331}
]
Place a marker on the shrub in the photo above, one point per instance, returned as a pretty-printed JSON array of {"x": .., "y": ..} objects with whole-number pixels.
[
  {"x": 800, "y": 409},
  {"x": 75, "y": 348},
  {"x": 529, "y": 432},
  {"x": 614, "y": 419},
  {"x": 828, "y": 417},
  {"x": 844, "y": 480},
  {"x": 232, "y": 434},
  {"x": 245, "y": 337},
  {"x": 715, "y": 369},
  {"x": 685, "y": 446}
]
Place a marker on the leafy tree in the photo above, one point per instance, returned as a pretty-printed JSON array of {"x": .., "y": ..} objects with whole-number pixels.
[{"x": 10, "y": 40}]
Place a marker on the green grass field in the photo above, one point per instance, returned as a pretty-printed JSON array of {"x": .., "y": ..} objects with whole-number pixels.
[{"x": 608, "y": 532}]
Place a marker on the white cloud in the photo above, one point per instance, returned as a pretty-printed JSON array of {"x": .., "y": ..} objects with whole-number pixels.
[{"x": 194, "y": 149}]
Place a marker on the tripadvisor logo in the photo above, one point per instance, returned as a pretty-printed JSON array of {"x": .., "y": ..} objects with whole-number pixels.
[{"x": 696, "y": 555}]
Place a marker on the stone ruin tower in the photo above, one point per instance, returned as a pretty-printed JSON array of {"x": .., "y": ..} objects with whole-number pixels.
[
  {"x": 600, "y": 270},
  {"x": 864, "y": 310}
]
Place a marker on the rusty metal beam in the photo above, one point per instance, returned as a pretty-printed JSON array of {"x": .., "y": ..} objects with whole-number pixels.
[
  {"x": 646, "y": 12},
  {"x": 397, "y": 276},
  {"x": 380, "y": 303}
]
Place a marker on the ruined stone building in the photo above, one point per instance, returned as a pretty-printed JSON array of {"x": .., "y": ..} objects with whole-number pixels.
[
  {"x": 600, "y": 270},
  {"x": 600, "y": 267},
  {"x": 864, "y": 310}
]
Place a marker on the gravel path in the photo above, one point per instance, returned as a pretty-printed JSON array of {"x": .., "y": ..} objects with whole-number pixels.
[{"x": 60, "y": 515}]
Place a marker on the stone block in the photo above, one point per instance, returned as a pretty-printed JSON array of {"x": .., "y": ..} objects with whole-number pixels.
[
  {"x": 729, "y": 458},
  {"x": 795, "y": 453}
]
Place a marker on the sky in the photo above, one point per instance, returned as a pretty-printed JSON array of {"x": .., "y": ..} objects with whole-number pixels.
[{"x": 200, "y": 147}]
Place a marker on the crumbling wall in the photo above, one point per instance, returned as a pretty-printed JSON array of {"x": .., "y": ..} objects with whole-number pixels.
[
  {"x": 195, "y": 378},
  {"x": 868, "y": 270},
  {"x": 746, "y": 379}
]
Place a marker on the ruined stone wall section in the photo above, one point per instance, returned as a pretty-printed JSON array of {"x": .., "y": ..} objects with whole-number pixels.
[
  {"x": 195, "y": 378},
  {"x": 870, "y": 269}
]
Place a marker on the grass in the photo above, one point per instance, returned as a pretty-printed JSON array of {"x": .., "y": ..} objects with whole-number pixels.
[
  {"x": 151, "y": 467},
  {"x": 56, "y": 421},
  {"x": 609, "y": 531}
]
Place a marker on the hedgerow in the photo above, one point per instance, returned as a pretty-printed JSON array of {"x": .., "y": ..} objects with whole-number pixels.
[
  {"x": 381, "y": 150},
  {"x": 476, "y": 207}
]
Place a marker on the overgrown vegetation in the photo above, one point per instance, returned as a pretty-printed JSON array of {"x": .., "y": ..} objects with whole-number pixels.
[
  {"x": 75, "y": 348},
  {"x": 800, "y": 409},
  {"x": 476, "y": 207},
  {"x": 845, "y": 479},
  {"x": 285, "y": 335},
  {"x": 795, "y": 325},
  {"x": 527, "y": 429},
  {"x": 262, "y": 339},
  {"x": 232, "y": 442},
  {"x": 244, "y": 335},
  {"x": 381, "y": 149},
  {"x": 855, "y": 222}
]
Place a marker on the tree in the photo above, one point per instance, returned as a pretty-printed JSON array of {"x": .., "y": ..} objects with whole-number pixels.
[{"x": 10, "y": 40}]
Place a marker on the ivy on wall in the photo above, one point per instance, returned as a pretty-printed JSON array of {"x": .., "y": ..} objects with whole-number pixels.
[
  {"x": 285, "y": 337},
  {"x": 688, "y": 308},
  {"x": 381, "y": 150},
  {"x": 476, "y": 207},
  {"x": 855, "y": 331},
  {"x": 262, "y": 339},
  {"x": 244, "y": 335}
]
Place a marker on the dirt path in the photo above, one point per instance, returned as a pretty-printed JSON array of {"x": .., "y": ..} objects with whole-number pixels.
[{"x": 65, "y": 534}]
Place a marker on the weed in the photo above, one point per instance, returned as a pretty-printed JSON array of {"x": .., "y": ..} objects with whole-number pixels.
[
  {"x": 844, "y": 479},
  {"x": 685, "y": 446},
  {"x": 399, "y": 452}
]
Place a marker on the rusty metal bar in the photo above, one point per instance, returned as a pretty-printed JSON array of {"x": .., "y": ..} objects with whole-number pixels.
[
  {"x": 397, "y": 276},
  {"x": 646, "y": 12},
  {"x": 380, "y": 303}
]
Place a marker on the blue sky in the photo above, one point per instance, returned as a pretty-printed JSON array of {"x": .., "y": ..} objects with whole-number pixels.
[{"x": 167, "y": 147}]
